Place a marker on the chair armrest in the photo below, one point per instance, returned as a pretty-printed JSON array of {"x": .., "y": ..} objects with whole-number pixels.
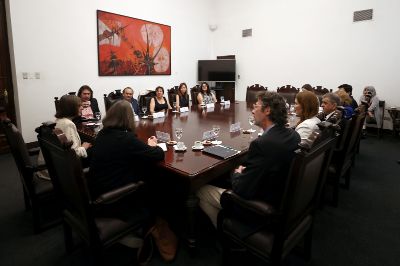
[
  {"x": 117, "y": 194},
  {"x": 230, "y": 200},
  {"x": 33, "y": 151}
]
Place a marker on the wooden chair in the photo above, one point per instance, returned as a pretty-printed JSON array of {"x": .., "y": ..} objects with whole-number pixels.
[
  {"x": 111, "y": 98},
  {"x": 82, "y": 213},
  {"x": 253, "y": 91},
  {"x": 193, "y": 94},
  {"x": 285, "y": 226},
  {"x": 144, "y": 100},
  {"x": 38, "y": 193},
  {"x": 57, "y": 99},
  {"x": 289, "y": 93},
  {"x": 172, "y": 94},
  {"x": 320, "y": 92},
  {"x": 373, "y": 123}
]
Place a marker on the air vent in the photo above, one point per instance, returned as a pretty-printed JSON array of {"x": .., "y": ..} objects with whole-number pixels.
[
  {"x": 362, "y": 15},
  {"x": 247, "y": 33}
]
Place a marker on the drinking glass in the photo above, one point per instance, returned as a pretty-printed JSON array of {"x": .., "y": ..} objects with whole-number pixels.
[
  {"x": 251, "y": 121},
  {"x": 216, "y": 130},
  {"x": 144, "y": 110},
  {"x": 97, "y": 115},
  {"x": 222, "y": 99},
  {"x": 179, "y": 134},
  {"x": 174, "y": 106}
]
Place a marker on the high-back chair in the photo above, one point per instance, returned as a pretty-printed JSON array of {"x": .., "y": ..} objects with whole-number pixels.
[
  {"x": 111, "y": 98},
  {"x": 253, "y": 91},
  {"x": 283, "y": 227},
  {"x": 81, "y": 213},
  {"x": 172, "y": 94},
  {"x": 193, "y": 94},
  {"x": 289, "y": 93},
  {"x": 57, "y": 99},
  {"x": 144, "y": 99},
  {"x": 38, "y": 193},
  {"x": 320, "y": 91},
  {"x": 377, "y": 123}
]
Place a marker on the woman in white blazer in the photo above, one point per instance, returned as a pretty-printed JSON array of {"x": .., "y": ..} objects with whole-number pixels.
[{"x": 306, "y": 107}]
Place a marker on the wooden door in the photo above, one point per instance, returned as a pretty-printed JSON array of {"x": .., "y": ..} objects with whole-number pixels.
[{"x": 7, "y": 107}]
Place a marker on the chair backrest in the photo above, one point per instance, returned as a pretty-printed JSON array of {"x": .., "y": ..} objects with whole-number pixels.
[
  {"x": 68, "y": 179},
  {"x": 172, "y": 94},
  {"x": 20, "y": 153},
  {"x": 357, "y": 124},
  {"x": 307, "y": 176},
  {"x": 320, "y": 92},
  {"x": 57, "y": 99},
  {"x": 144, "y": 99},
  {"x": 253, "y": 91},
  {"x": 288, "y": 92},
  {"x": 193, "y": 94},
  {"x": 111, "y": 98}
]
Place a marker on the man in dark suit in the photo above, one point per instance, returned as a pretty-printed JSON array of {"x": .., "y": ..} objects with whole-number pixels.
[
  {"x": 330, "y": 113},
  {"x": 127, "y": 94},
  {"x": 264, "y": 173}
]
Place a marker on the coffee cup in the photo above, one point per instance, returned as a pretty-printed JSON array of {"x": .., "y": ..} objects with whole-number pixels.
[{"x": 197, "y": 144}]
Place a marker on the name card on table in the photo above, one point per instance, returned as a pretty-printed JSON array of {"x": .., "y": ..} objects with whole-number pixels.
[
  {"x": 162, "y": 136},
  {"x": 227, "y": 102},
  {"x": 234, "y": 127},
  {"x": 158, "y": 114},
  {"x": 136, "y": 118},
  {"x": 207, "y": 135},
  {"x": 210, "y": 105},
  {"x": 163, "y": 146},
  {"x": 184, "y": 109}
]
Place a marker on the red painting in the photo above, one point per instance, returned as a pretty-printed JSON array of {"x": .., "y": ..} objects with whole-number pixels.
[{"x": 129, "y": 46}]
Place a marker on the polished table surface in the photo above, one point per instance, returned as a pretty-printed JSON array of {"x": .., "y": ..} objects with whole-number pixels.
[{"x": 197, "y": 166}]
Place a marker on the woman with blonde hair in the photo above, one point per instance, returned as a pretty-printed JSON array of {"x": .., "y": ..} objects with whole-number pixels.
[
  {"x": 306, "y": 108},
  {"x": 346, "y": 102}
]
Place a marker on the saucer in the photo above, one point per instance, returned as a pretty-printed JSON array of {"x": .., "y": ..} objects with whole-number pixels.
[
  {"x": 206, "y": 143},
  {"x": 145, "y": 116},
  {"x": 216, "y": 142},
  {"x": 171, "y": 142},
  {"x": 174, "y": 111},
  {"x": 198, "y": 148},
  {"x": 249, "y": 131},
  {"x": 176, "y": 148}
]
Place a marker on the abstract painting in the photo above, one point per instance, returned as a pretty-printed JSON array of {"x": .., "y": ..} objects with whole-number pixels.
[{"x": 129, "y": 46}]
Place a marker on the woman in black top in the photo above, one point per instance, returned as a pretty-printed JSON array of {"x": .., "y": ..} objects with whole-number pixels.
[
  {"x": 159, "y": 103},
  {"x": 182, "y": 97},
  {"x": 119, "y": 157}
]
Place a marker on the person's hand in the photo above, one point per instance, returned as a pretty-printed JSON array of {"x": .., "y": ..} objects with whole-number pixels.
[
  {"x": 370, "y": 114},
  {"x": 240, "y": 169},
  {"x": 152, "y": 141},
  {"x": 86, "y": 145}
]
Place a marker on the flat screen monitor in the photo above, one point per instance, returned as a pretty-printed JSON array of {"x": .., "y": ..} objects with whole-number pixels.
[{"x": 216, "y": 70}]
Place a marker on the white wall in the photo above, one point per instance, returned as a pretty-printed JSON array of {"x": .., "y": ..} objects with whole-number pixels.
[
  {"x": 58, "y": 39},
  {"x": 312, "y": 41}
]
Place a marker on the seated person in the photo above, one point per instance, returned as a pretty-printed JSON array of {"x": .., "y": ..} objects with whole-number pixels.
[
  {"x": 345, "y": 101},
  {"x": 330, "y": 102},
  {"x": 371, "y": 100},
  {"x": 306, "y": 107},
  {"x": 159, "y": 103},
  {"x": 205, "y": 96},
  {"x": 182, "y": 97},
  {"x": 262, "y": 176},
  {"x": 89, "y": 104},
  {"x": 69, "y": 107},
  {"x": 127, "y": 94},
  {"x": 349, "y": 90},
  {"x": 119, "y": 157}
]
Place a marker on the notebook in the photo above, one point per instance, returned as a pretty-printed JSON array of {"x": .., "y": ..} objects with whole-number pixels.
[{"x": 221, "y": 151}]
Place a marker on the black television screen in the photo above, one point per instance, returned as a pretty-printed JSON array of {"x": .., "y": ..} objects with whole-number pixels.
[{"x": 216, "y": 70}]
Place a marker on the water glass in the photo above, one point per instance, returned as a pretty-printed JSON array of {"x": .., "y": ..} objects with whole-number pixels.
[
  {"x": 144, "y": 110},
  {"x": 178, "y": 133},
  {"x": 174, "y": 106},
  {"x": 216, "y": 130},
  {"x": 251, "y": 120},
  {"x": 97, "y": 115},
  {"x": 222, "y": 99}
]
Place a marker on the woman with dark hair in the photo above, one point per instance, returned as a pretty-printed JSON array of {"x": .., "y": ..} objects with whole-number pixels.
[
  {"x": 159, "y": 103},
  {"x": 89, "y": 104},
  {"x": 118, "y": 156},
  {"x": 307, "y": 87},
  {"x": 182, "y": 97},
  {"x": 205, "y": 96},
  {"x": 306, "y": 107},
  {"x": 70, "y": 107}
]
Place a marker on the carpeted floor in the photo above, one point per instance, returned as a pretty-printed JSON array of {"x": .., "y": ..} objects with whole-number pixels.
[{"x": 363, "y": 230}]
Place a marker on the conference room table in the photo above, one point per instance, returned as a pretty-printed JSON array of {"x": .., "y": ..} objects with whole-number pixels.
[{"x": 194, "y": 168}]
